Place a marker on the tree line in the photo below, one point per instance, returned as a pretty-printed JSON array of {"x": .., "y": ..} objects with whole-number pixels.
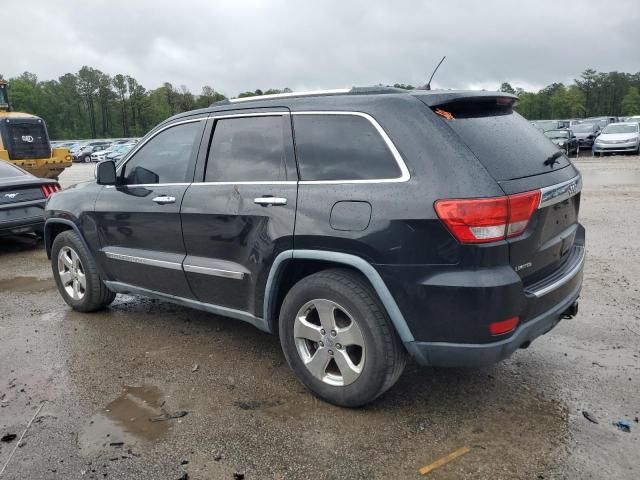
[
  {"x": 593, "y": 94},
  {"x": 93, "y": 104}
]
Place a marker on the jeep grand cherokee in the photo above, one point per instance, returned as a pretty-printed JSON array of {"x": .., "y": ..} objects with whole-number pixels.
[{"x": 361, "y": 226}]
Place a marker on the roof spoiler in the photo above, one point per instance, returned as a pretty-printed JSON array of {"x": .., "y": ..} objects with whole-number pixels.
[{"x": 445, "y": 97}]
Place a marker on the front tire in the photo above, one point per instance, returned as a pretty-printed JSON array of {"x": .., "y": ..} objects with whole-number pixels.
[
  {"x": 76, "y": 274},
  {"x": 338, "y": 339}
]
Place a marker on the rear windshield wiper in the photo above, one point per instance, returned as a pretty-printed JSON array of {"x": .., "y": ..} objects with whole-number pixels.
[{"x": 553, "y": 159}]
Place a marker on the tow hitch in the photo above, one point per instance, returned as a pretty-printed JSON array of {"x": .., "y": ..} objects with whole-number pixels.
[{"x": 570, "y": 312}]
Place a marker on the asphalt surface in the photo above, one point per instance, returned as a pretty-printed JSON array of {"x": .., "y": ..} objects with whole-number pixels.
[{"x": 102, "y": 378}]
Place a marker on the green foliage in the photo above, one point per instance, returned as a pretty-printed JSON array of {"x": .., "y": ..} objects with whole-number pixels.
[
  {"x": 507, "y": 88},
  {"x": 631, "y": 102},
  {"x": 593, "y": 94},
  {"x": 90, "y": 103}
]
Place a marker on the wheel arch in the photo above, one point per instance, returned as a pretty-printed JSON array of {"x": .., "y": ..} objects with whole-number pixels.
[
  {"x": 307, "y": 262},
  {"x": 54, "y": 227}
]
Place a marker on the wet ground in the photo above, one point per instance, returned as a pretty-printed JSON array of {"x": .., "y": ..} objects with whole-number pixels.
[{"x": 149, "y": 390}]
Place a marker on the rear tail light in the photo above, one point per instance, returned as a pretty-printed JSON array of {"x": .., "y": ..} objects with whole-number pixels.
[
  {"x": 483, "y": 220},
  {"x": 49, "y": 189},
  {"x": 503, "y": 326}
]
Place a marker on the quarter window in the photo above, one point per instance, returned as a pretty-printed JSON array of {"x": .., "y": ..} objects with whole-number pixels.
[
  {"x": 248, "y": 149},
  {"x": 341, "y": 147},
  {"x": 165, "y": 158}
]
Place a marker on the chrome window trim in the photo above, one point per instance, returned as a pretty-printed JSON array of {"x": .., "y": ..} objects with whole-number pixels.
[
  {"x": 283, "y": 182},
  {"x": 404, "y": 177},
  {"x": 560, "y": 192},
  {"x": 404, "y": 171},
  {"x": 143, "y": 142},
  {"x": 290, "y": 94},
  {"x": 216, "y": 272},
  {"x": 144, "y": 260},
  {"x": 270, "y": 113},
  {"x": 153, "y": 185},
  {"x": 561, "y": 281}
]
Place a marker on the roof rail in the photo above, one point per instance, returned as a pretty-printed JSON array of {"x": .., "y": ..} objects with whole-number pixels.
[{"x": 291, "y": 94}]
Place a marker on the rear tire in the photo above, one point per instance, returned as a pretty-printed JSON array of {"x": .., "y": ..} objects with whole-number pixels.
[
  {"x": 338, "y": 339},
  {"x": 76, "y": 274}
]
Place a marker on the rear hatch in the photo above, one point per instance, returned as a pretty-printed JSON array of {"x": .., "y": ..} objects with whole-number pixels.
[{"x": 521, "y": 159}]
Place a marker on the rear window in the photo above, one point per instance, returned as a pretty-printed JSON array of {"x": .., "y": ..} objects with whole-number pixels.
[
  {"x": 342, "y": 147},
  {"x": 506, "y": 144}
]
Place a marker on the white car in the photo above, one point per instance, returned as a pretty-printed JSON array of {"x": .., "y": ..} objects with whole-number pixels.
[
  {"x": 618, "y": 138},
  {"x": 100, "y": 155}
]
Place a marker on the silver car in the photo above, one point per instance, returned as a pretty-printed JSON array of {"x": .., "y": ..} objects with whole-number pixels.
[{"x": 618, "y": 138}]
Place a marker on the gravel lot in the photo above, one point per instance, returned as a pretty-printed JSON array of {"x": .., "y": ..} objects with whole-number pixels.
[{"x": 103, "y": 376}]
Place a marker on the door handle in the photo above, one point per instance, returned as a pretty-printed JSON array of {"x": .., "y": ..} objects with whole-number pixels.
[
  {"x": 164, "y": 199},
  {"x": 265, "y": 201}
]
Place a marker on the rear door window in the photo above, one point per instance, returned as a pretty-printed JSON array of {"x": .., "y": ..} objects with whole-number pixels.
[
  {"x": 506, "y": 144},
  {"x": 341, "y": 147},
  {"x": 250, "y": 149}
]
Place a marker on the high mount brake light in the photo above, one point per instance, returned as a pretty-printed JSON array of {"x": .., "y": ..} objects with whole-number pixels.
[
  {"x": 484, "y": 220},
  {"x": 49, "y": 189}
]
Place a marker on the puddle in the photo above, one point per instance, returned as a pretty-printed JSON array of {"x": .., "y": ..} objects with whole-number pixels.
[
  {"x": 27, "y": 284},
  {"x": 126, "y": 420}
]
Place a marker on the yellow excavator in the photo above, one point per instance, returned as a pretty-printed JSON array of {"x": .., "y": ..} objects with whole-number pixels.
[{"x": 24, "y": 141}]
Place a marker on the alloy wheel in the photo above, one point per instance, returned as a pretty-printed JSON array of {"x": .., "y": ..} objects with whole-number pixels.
[
  {"x": 71, "y": 273},
  {"x": 329, "y": 342}
]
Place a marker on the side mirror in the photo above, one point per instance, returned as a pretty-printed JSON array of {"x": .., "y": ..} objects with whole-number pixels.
[{"x": 106, "y": 173}]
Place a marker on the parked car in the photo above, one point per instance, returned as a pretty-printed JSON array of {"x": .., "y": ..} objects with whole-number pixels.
[
  {"x": 601, "y": 121},
  {"x": 84, "y": 153},
  {"x": 545, "y": 125},
  {"x": 585, "y": 134},
  {"x": 633, "y": 119},
  {"x": 119, "y": 151},
  {"x": 564, "y": 140},
  {"x": 436, "y": 224},
  {"x": 618, "y": 138},
  {"x": 22, "y": 200}
]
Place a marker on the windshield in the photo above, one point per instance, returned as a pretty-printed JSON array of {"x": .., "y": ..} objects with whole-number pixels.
[
  {"x": 546, "y": 124},
  {"x": 620, "y": 128},
  {"x": 583, "y": 128},
  {"x": 556, "y": 134}
]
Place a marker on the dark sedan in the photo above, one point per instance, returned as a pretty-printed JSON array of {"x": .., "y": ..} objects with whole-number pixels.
[
  {"x": 564, "y": 140},
  {"x": 22, "y": 200},
  {"x": 586, "y": 133}
]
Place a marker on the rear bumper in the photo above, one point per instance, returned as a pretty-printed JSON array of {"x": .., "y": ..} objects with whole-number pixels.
[
  {"x": 26, "y": 217},
  {"x": 449, "y": 312},
  {"x": 444, "y": 354},
  {"x": 23, "y": 225}
]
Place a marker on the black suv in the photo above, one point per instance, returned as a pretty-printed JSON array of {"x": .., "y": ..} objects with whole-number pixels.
[{"x": 360, "y": 225}]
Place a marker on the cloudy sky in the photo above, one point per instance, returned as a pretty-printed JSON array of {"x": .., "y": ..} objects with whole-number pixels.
[{"x": 241, "y": 45}]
